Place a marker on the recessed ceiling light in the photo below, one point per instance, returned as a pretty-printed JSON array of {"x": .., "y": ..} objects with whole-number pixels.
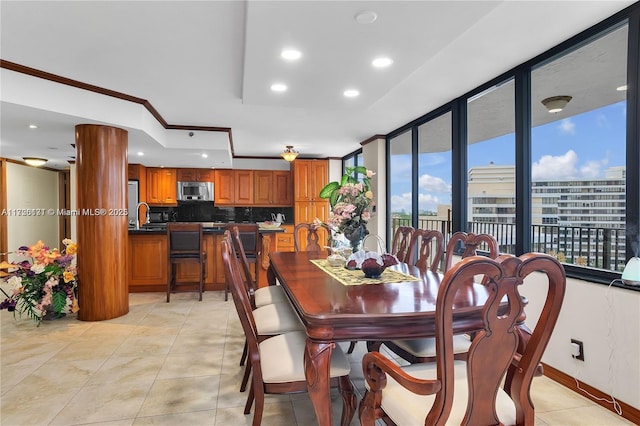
[
  {"x": 621, "y": 88},
  {"x": 140, "y": 153},
  {"x": 366, "y": 17},
  {"x": 291, "y": 54},
  {"x": 351, "y": 93},
  {"x": 382, "y": 62},
  {"x": 205, "y": 156},
  {"x": 279, "y": 87},
  {"x": 33, "y": 126}
]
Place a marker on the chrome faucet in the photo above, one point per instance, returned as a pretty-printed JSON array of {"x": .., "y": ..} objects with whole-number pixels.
[{"x": 147, "y": 219}]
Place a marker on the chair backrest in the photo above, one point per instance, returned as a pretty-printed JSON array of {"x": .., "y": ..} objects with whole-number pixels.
[
  {"x": 185, "y": 240},
  {"x": 426, "y": 249},
  {"x": 241, "y": 301},
  {"x": 238, "y": 247},
  {"x": 250, "y": 238},
  {"x": 496, "y": 349},
  {"x": 471, "y": 243},
  {"x": 401, "y": 241},
  {"x": 309, "y": 231}
]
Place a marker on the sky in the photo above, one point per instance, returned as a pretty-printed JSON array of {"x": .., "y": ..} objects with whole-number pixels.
[{"x": 582, "y": 146}]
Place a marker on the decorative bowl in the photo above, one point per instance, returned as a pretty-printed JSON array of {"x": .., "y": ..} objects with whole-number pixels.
[
  {"x": 372, "y": 269},
  {"x": 336, "y": 260},
  {"x": 268, "y": 225}
]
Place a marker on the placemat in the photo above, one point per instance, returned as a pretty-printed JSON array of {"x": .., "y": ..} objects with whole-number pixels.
[{"x": 356, "y": 277}]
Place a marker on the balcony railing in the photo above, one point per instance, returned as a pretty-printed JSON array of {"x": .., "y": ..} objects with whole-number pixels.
[{"x": 601, "y": 248}]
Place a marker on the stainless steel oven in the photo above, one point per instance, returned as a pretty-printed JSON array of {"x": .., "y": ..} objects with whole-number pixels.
[{"x": 195, "y": 191}]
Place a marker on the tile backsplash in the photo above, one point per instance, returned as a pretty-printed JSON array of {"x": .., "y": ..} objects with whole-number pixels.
[{"x": 208, "y": 212}]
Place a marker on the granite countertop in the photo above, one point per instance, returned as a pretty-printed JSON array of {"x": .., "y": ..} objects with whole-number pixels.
[{"x": 208, "y": 228}]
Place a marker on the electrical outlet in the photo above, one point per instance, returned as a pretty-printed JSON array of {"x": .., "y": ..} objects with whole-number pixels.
[{"x": 577, "y": 349}]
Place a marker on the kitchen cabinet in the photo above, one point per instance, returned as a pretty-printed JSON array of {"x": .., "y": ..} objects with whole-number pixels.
[
  {"x": 161, "y": 186},
  {"x": 272, "y": 188},
  {"x": 148, "y": 264},
  {"x": 244, "y": 187},
  {"x": 195, "y": 175},
  {"x": 224, "y": 187},
  {"x": 309, "y": 177},
  {"x": 133, "y": 171},
  {"x": 284, "y": 240}
]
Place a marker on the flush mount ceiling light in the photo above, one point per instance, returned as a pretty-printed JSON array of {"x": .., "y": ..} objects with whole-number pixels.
[
  {"x": 621, "y": 88},
  {"x": 34, "y": 161},
  {"x": 204, "y": 155},
  {"x": 351, "y": 93},
  {"x": 290, "y": 54},
  {"x": 366, "y": 17},
  {"x": 140, "y": 153},
  {"x": 556, "y": 103},
  {"x": 33, "y": 126},
  {"x": 289, "y": 154},
  {"x": 279, "y": 87},
  {"x": 382, "y": 62}
]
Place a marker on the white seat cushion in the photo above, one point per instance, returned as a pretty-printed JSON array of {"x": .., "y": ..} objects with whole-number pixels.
[
  {"x": 276, "y": 318},
  {"x": 269, "y": 295},
  {"x": 426, "y": 347},
  {"x": 282, "y": 359},
  {"x": 408, "y": 409}
]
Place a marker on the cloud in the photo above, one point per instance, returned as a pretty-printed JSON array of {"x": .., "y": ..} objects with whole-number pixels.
[
  {"x": 401, "y": 202},
  {"x": 591, "y": 170},
  {"x": 558, "y": 167},
  {"x": 428, "y": 202},
  {"x": 432, "y": 184},
  {"x": 567, "y": 126}
]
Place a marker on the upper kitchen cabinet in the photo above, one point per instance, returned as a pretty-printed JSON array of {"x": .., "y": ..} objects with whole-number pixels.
[
  {"x": 309, "y": 177},
  {"x": 233, "y": 187},
  {"x": 224, "y": 187},
  {"x": 272, "y": 188},
  {"x": 244, "y": 187},
  {"x": 195, "y": 175},
  {"x": 161, "y": 186}
]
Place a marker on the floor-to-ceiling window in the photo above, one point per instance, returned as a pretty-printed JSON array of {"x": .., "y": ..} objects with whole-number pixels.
[
  {"x": 434, "y": 174},
  {"x": 400, "y": 181},
  {"x": 578, "y": 172},
  {"x": 491, "y": 191}
]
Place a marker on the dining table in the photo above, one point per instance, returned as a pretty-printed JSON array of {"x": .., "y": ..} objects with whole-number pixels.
[{"x": 398, "y": 305}]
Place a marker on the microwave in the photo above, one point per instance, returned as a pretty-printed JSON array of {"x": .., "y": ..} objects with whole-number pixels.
[{"x": 195, "y": 191}]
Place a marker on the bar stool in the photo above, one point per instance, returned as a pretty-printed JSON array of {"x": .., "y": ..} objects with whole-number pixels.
[{"x": 186, "y": 245}]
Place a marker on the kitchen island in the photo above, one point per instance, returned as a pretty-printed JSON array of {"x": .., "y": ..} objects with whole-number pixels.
[{"x": 148, "y": 270}]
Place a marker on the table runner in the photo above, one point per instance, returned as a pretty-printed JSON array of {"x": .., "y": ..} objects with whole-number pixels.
[{"x": 356, "y": 277}]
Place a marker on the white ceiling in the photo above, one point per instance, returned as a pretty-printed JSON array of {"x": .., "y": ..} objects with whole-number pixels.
[{"x": 211, "y": 63}]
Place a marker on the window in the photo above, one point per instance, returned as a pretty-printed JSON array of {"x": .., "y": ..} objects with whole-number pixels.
[
  {"x": 491, "y": 162},
  {"x": 434, "y": 174},
  {"x": 400, "y": 181},
  {"x": 578, "y": 154}
]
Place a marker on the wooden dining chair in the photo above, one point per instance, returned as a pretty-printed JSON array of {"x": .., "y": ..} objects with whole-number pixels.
[
  {"x": 277, "y": 363},
  {"x": 472, "y": 392},
  {"x": 271, "y": 320},
  {"x": 424, "y": 349},
  {"x": 400, "y": 243},
  {"x": 186, "y": 246},
  {"x": 258, "y": 296},
  {"x": 250, "y": 238},
  {"x": 306, "y": 238},
  {"x": 426, "y": 249},
  {"x": 470, "y": 243}
]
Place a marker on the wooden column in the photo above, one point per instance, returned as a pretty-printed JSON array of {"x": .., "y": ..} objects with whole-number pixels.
[{"x": 101, "y": 165}]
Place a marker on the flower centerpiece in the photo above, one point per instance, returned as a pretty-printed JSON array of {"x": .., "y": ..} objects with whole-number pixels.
[
  {"x": 351, "y": 201},
  {"x": 43, "y": 283}
]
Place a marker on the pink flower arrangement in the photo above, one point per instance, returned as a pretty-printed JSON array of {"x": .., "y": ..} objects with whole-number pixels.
[
  {"x": 44, "y": 282},
  {"x": 351, "y": 202}
]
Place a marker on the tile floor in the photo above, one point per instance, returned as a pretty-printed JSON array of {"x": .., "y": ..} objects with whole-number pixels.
[{"x": 167, "y": 364}]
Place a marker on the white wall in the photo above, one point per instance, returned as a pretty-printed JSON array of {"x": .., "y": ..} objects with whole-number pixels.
[
  {"x": 607, "y": 320},
  {"x": 30, "y": 188}
]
